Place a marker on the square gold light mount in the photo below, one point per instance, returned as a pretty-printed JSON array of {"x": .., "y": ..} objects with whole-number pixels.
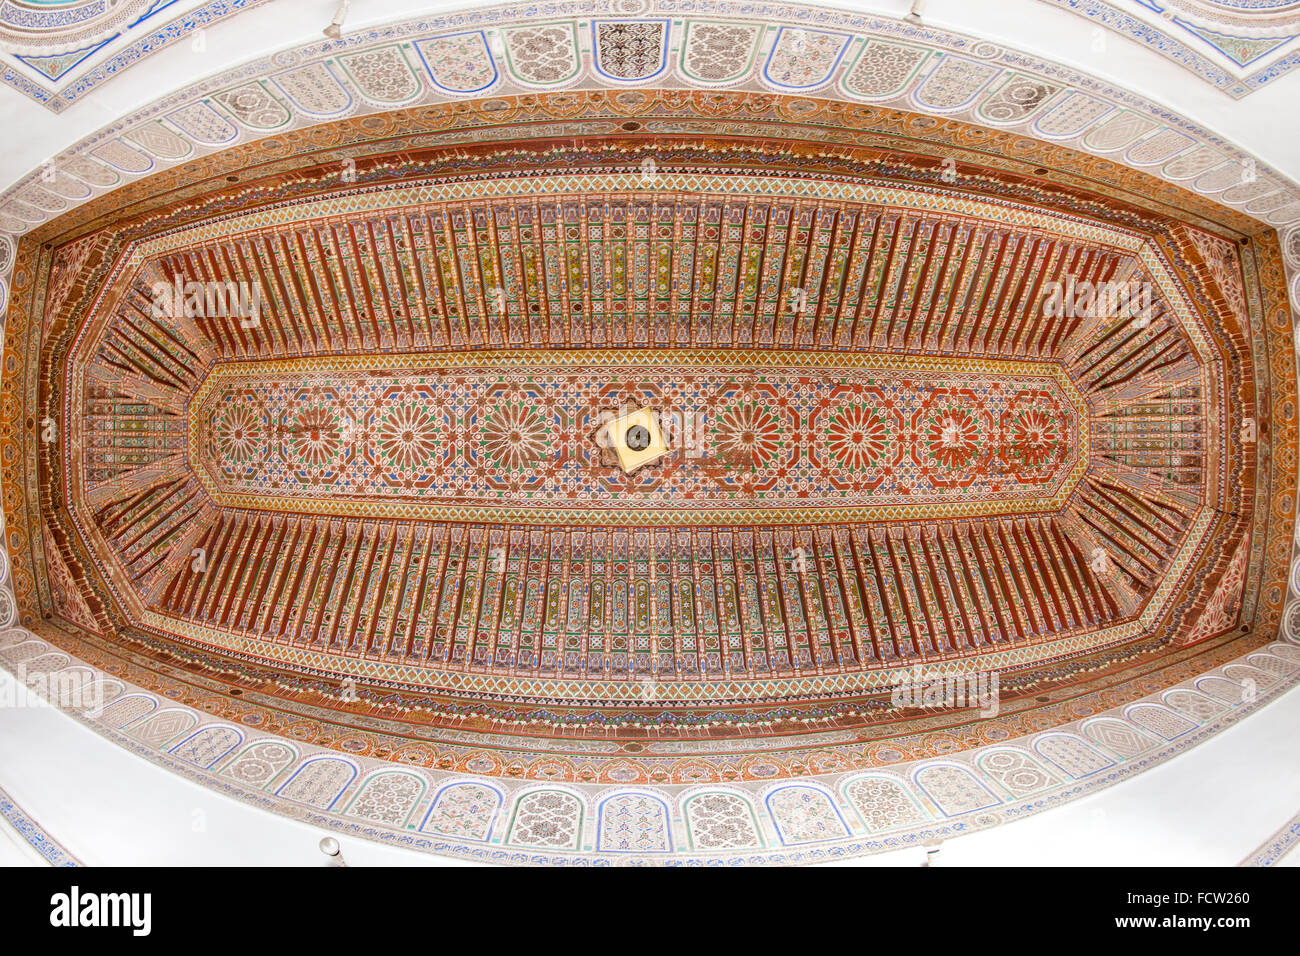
[{"x": 634, "y": 437}]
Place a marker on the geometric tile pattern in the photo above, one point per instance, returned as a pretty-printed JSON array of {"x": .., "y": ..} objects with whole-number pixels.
[
  {"x": 517, "y": 435},
  {"x": 1017, "y": 772},
  {"x": 864, "y": 610},
  {"x": 843, "y": 423},
  {"x": 883, "y": 803}
]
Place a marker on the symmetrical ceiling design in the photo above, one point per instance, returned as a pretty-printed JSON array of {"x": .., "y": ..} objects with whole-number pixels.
[
  {"x": 924, "y": 377},
  {"x": 366, "y": 504},
  {"x": 297, "y": 474},
  {"x": 496, "y": 437}
]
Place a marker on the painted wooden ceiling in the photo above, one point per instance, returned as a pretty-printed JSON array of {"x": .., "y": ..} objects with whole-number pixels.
[
  {"x": 376, "y": 521},
  {"x": 391, "y": 473},
  {"x": 376, "y": 524}
]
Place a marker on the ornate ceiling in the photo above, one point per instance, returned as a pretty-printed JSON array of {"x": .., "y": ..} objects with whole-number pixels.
[
  {"x": 1237, "y": 46},
  {"x": 923, "y": 378},
  {"x": 376, "y": 518},
  {"x": 55, "y": 53}
]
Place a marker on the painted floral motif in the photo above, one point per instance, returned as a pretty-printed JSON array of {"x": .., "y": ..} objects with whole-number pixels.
[
  {"x": 955, "y": 440},
  {"x": 459, "y": 63},
  {"x": 1071, "y": 754},
  {"x": 859, "y": 437},
  {"x": 717, "y": 52},
  {"x": 201, "y": 122},
  {"x": 954, "y": 83},
  {"x": 547, "y": 818},
  {"x": 953, "y": 437},
  {"x": 464, "y": 811},
  {"x": 381, "y": 74},
  {"x": 1222, "y": 260},
  {"x": 515, "y": 436},
  {"x": 314, "y": 437},
  {"x": 1033, "y": 436},
  {"x": 630, "y": 51},
  {"x": 121, "y": 156},
  {"x": 721, "y": 821},
  {"x": 209, "y": 745},
  {"x": 125, "y": 711},
  {"x": 775, "y": 437},
  {"x": 318, "y": 782},
  {"x": 1072, "y": 115},
  {"x": 634, "y": 822},
  {"x": 1000, "y": 435},
  {"x": 314, "y": 89},
  {"x": 407, "y": 437},
  {"x": 544, "y": 54},
  {"x": 955, "y": 790},
  {"x": 387, "y": 798},
  {"x": 805, "y": 815},
  {"x": 884, "y": 68},
  {"x": 241, "y": 434},
  {"x": 747, "y": 434},
  {"x": 802, "y": 59},
  {"x": 883, "y": 803}
]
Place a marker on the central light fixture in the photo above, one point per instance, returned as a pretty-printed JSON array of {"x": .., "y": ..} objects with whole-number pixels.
[{"x": 635, "y": 437}]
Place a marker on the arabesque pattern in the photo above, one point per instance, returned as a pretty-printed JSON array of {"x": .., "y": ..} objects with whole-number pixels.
[
  {"x": 854, "y": 434},
  {"x": 602, "y": 677}
]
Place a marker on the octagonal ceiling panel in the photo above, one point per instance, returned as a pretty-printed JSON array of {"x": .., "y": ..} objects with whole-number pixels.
[
  {"x": 377, "y": 514},
  {"x": 396, "y": 456}
]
